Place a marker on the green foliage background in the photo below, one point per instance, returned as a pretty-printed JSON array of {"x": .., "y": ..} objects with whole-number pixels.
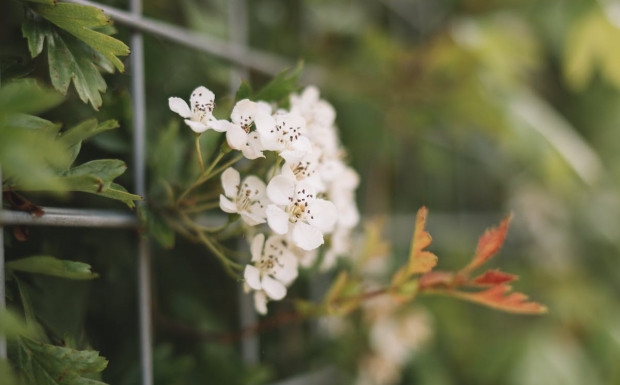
[{"x": 473, "y": 108}]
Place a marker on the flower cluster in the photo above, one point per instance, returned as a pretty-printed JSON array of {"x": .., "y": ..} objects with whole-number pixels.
[{"x": 306, "y": 197}]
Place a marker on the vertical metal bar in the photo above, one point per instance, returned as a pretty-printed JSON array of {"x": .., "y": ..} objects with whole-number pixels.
[
  {"x": 144, "y": 257},
  {"x": 238, "y": 30},
  {"x": 2, "y": 298}
]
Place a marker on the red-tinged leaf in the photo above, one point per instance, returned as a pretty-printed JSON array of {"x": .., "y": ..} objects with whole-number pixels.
[
  {"x": 499, "y": 297},
  {"x": 492, "y": 278},
  {"x": 488, "y": 245},
  {"x": 420, "y": 261},
  {"x": 436, "y": 279}
]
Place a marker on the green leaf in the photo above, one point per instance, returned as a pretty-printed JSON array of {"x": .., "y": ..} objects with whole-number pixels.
[
  {"x": 12, "y": 325},
  {"x": 14, "y": 67},
  {"x": 6, "y": 374},
  {"x": 81, "y": 21},
  {"x": 157, "y": 228},
  {"x": 49, "y": 2},
  {"x": 94, "y": 176},
  {"x": 26, "y": 97},
  {"x": 244, "y": 91},
  {"x": 44, "y": 364},
  {"x": 281, "y": 86},
  {"x": 85, "y": 130},
  {"x": 118, "y": 192},
  {"x": 28, "y": 149},
  {"x": 52, "y": 266}
]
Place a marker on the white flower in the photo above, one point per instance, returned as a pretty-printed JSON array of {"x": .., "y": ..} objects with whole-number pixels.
[
  {"x": 306, "y": 169},
  {"x": 200, "y": 115},
  {"x": 340, "y": 245},
  {"x": 342, "y": 193},
  {"x": 305, "y": 216},
  {"x": 282, "y": 134},
  {"x": 248, "y": 199},
  {"x": 316, "y": 111},
  {"x": 274, "y": 268},
  {"x": 237, "y": 130}
]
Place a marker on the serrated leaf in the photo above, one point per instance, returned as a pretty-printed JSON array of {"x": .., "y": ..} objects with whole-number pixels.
[
  {"x": 52, "y": 266},
  {"x": 69, "y": 59},
  {"x": 279, "y": 89},
  {"x": 499, "y": 297},
  {"x": 420, "y": 261},
  {"x": 81, "y": 21},
  {"x": 44, "y": 364},
  {"x": 488, "y": 245}
]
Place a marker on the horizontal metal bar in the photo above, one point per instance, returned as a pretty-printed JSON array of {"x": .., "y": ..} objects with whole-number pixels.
[
  {"x": 258, "y": 60},
  {"x": 71, "y": 217}
]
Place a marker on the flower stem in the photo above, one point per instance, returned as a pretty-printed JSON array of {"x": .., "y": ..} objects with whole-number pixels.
[
  {"x": 204, "y": 176},
  {"x": 202, "y": 165}
]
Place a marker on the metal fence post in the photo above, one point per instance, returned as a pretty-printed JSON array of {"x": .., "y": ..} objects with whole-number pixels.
[{"x": 144, "y": 257}]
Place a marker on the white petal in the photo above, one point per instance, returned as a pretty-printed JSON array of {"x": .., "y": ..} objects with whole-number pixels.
[
  {"x": 227, "y": 206},
  {"x": 266, "y": 127},
  {"x": 243, "y": 112},
  {"x": 220, "y": 125},
  {"x": 251, "y": 219},
  {"x": 281, "y": 190},
  {"x": 179, "y": 106},
  {"x": 292, "y": 156},
  {"x": 196, "y": 126},
  {"x": 322, "y": 214},
  {"x": 236, "y": 137},
  {"x": 251, "y": 153},
  {"x": 256, "y": 248},
  {"x": 263, "y": 107},
  {"x": 252, "y": 277},
  {"x": 277, "y": 219},
  {"x": 231, "y": 181},
  {"x": 289, "y": 270},
  {"x": 274, "y": 288},
  {"x": 307, "y": 237},
  {"x": 260, "y": 302},
  {"x": 308, "y": 258},
  {"x": 255, "y": 185},
  {"x": 201, "y": 96}
]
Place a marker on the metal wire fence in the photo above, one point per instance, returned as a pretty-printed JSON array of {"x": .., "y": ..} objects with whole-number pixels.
[{"x": 243, "y": 59}]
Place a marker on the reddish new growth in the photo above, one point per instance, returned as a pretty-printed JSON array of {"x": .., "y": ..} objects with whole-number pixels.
[{"x": 497, "y": 293}]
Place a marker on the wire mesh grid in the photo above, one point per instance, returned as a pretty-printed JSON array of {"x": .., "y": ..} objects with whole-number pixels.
[{"x": 243, "y": 58}]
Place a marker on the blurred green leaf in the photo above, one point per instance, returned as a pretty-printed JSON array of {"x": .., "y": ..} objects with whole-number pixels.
[
  {"x": 6, "y": 374},
  {"x": 244, "y": 91},
  {"x": 44, "y": 364},
  {"x": 118, "y": 192},
  {"x": 592, "y": 42},
  {"x": 85, "y": 130},
  {"x": 158, "y": 228},
  {"x": 12, "y": 325},
  {"x": 281, "y": 86},
  {"x": 52, "y": 266}
]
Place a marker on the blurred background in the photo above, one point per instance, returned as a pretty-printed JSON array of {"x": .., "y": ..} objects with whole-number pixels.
[{"x": 473, "y": 108}]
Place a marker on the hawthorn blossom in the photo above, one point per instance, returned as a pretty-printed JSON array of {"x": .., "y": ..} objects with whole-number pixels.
[
  {"x": 199, "y": 114},
  {"x": 282, "y": 133},
  {"x": 247, "y": 199},
  {"x": 297, "y": 210},
  {"x": 274, "y": 268},
  {"x": 238, "y": 133},
  {"x": 316, "y": 111}
]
